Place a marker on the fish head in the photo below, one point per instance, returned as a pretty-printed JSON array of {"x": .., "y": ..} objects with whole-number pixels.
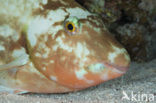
[{"x": 72, "y": 47}]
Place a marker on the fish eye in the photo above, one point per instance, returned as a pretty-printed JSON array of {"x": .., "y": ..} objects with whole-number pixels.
[{"x": 71, "y": 25}]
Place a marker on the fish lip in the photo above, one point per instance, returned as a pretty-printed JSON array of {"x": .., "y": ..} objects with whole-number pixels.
[
  {"x": 113, "y": 67},
  {"x": 122, "y": 69}
]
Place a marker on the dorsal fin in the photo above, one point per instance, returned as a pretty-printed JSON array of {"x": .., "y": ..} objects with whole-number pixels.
[{"x": 20, "y": 61}]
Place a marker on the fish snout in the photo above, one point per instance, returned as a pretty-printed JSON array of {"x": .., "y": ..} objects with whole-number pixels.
[
  {"x": 104, "y": 67},
  {"x": 106, "y": 70},
  {"x": 118, "y": 60}
]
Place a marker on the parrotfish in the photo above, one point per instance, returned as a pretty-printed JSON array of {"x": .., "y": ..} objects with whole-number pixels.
[{"x": 55, "y": 46}]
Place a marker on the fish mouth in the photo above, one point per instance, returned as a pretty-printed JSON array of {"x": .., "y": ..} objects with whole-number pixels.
[{"x": 100, "y": 67}]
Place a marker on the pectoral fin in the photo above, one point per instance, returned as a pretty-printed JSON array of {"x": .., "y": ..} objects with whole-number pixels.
[{"x": 20, "y": 61}]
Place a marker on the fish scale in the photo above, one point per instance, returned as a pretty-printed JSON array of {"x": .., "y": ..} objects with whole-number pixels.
[{"x": 41, "y": 53}]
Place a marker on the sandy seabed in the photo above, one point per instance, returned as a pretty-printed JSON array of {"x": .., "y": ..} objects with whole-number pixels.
[{"x": 139, "y": 80}]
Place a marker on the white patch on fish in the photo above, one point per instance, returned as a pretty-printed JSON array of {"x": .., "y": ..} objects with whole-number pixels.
[
  {"x": 18, "y": 52},
  {"x": 80, "y": 13},
  {"x": 44, "y": 68},
  {"x": 38, "y": 54},
  {"x": 37, "y": 27},
  {"x": 61, "y": 44},
  {"x": 63, "y": 2},
  {"x": 81, "y": 50},
  {"x": 80, "y": 74},
  {"x": 57, "y": 15},
  {"x": 114, "y": 54},
  {"x": 6, "y": 31},
  {"x": 54, "y": 30},
  {"x": 53, "y": 78},
  {"x": 47, "y": 52},
  {"x": 105, "y": 76},
  {"x": 89, "y": 81},
  {"x": 44, "y": 2},
  {"x": 51, "y": 61},
  {"x": 2, "y": 48}
]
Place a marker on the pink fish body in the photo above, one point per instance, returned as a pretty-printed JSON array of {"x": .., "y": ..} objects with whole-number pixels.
[{"x": 55, "y": 46}]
